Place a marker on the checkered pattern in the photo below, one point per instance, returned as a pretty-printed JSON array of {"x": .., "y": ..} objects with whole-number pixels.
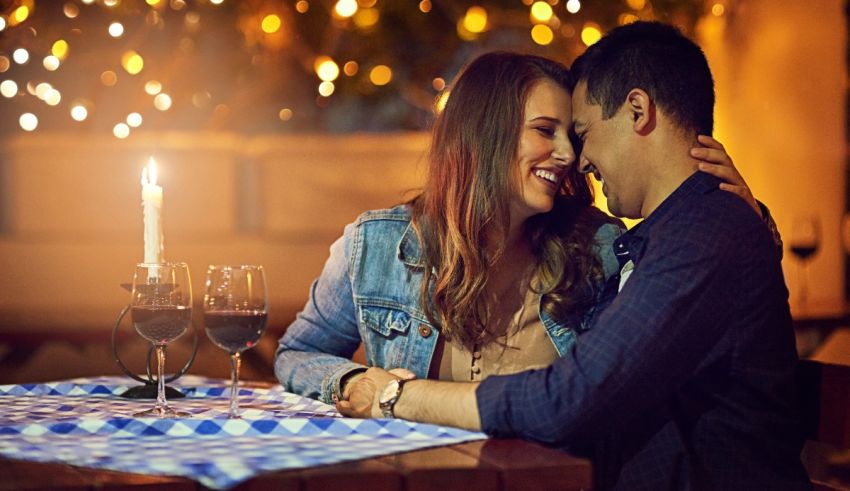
[{"x": 82, "y": 422}]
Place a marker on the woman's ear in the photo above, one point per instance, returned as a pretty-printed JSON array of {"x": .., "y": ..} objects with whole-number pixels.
[{"x": 642, "y": 111}]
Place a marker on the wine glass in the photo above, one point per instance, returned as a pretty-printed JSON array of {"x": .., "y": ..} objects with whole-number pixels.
[
  {"x": 235, "y": 315},
  {"x": 161, "y": 310},
  {"x": 804, "y": 244}
]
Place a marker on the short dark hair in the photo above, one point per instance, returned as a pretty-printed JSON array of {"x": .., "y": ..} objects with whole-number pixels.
[{"x": 654, "y": 57}]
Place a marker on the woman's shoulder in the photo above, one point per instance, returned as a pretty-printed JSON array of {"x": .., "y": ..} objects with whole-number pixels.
[
  {"x": 605, "y": 226},
  {"x": 400, "y": 214}
]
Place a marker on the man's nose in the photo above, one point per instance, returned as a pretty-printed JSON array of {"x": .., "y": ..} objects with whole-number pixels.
[{"x": 564, "y": 152}]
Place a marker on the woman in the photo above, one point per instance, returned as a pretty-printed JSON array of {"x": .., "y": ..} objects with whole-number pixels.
[{"x": 494, "y": 268}]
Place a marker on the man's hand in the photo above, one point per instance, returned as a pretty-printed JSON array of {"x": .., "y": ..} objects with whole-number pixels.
[
  {"x": 717, "y": 162},
  {"x": 365, "y": 390}
]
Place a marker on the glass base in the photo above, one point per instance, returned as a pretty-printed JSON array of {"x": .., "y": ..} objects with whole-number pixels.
[{"x": 162, "y": 412}]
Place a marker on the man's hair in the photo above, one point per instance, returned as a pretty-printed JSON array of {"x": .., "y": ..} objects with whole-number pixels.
[{"x": 656, "y": 58}]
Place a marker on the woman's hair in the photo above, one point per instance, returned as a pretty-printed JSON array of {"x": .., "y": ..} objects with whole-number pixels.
[{"x": 462, "y": 216}]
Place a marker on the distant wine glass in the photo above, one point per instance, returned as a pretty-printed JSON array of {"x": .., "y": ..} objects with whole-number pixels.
[
  {"x": 161, "y": 310},
  {"x": 235, "y": 315},
  {"x": 804, "y": 243}
]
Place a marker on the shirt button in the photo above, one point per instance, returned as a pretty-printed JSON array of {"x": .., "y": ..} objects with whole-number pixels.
[
  {"x": 424, "y": 330},
  {"x": 476, "y": 354}
]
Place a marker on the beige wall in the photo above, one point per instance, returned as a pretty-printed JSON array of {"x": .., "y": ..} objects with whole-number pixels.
[
  {"x": 72, "y": 221},
  {"x": 780, "y": 73}
]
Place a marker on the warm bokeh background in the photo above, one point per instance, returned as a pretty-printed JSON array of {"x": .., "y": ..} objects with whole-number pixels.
[{"x": 279, "y": 192}]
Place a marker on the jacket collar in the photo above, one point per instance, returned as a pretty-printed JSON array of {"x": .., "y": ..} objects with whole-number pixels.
[{"x": 409, "y": 248}]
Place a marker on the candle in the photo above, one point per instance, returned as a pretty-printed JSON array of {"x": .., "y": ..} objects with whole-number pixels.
[{"x": 152, "y": 206}]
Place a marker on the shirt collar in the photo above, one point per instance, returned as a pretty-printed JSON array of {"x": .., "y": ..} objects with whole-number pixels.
[{"x": 631, "y": 245}]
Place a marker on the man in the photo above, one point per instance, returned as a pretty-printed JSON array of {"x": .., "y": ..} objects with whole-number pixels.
[{"x": 685, "y": 380}]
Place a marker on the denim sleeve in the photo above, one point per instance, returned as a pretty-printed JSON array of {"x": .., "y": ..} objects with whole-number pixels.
[
  {"x": 604, "y": 249},
  {"x": 314, "y": 352}
]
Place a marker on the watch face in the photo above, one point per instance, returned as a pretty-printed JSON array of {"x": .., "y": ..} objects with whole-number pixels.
[{"x": 389, "y": 392}]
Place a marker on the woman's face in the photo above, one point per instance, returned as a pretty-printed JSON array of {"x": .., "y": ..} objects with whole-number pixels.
[{"x": 544, "y": 152}]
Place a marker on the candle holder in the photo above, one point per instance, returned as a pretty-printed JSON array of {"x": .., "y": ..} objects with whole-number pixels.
[{"x": 149, "y": 389}]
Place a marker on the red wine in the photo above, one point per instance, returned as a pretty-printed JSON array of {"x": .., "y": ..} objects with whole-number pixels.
[
  {"x": 803, "y": 252},
  {"x": 161, "y": 324},
  {"x": 235, "y": 330}
]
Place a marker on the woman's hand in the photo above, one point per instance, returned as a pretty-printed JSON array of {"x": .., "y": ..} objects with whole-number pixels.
[
  {"x": 364, "y": 391},
  {"x": 715, "y": 161}
]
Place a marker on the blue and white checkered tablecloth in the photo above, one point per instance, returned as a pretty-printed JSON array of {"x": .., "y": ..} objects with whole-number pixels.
[{"x": 83, "y": 422}]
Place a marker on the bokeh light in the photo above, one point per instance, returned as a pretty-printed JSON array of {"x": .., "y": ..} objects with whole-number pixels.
[
  {"x": 636, "y": 4},
  {"x": 425, "y": 6},
  {"x": 4, "y": 63},
  {"x": 438, "y": 84},
  {"x": 285, "y": 114},
  {"x": 381, "y": 75},
  {"x": 116, "y": 29},
  {"x": 162, "y": 102},
  {"x": 302, "y": 6},
  {"x": 350, "y": 68},
  {"x": 475, "y": 20},
  {"x": 60, "y": 49},
  {"x": 2, "y": 23},
  {"x": 134, "y": 120},
  {"x": 70, "y": 10},
  {"x": 153, "y": 87},
  {"x": 541, "y": 12},
  {"x": 121, "y": 131},
  {"x": 718, "y": 9},
  {"x": 53, "y": 97},
  {"x": 542, "y": 34},
  {"x": 108, "y": 78},
  {"x": 590, "y": 33},
  {"x": 19, "y": 15},
  {"x": 326, "y": 88},
  {"x": 345, "y": 8},
  {"x": 21, "y": 56},
  {"x": 8, "y": 88},
  {"x": 79, "y": 112},
  {"x": 28, "y": 121},
  {"x": 366, "y": 18},
  {"x": 271, "y": 24},
  {"x": 573, "y": 6},
  {"x": 132, "y": 62},
  {"x": 42, "y": 89},
  {"x": 51, "y": 63},
  {"x": 326, "y": 68}
]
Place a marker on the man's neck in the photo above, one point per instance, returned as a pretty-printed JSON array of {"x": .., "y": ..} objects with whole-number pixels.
[{"x": 671, "y": 166}]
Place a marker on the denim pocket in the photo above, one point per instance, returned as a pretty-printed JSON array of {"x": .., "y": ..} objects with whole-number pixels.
[{"x": 385, "y": 320}]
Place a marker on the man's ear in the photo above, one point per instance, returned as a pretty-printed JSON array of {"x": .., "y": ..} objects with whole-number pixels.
[{"x": 642, "y": 111}]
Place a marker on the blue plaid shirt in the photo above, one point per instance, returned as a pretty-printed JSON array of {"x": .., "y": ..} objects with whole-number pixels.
[{"x": 686, "y": 379}]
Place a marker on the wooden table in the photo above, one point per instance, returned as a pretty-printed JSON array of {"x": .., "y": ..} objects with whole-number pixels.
[{"x": 481, "y": 465}]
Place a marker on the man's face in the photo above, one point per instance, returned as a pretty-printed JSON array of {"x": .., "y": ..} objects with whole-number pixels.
[{"x": 607, "y": 153}]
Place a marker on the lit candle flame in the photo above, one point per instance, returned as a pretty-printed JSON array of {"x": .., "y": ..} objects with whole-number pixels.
[{"x": 149, "y": 171}]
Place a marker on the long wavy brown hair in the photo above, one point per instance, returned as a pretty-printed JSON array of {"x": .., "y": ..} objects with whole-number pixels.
[{"x": 462, "y": 215}]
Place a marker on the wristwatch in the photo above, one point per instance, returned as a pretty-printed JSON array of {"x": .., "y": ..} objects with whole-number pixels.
[{"x": 389, "y": 396}]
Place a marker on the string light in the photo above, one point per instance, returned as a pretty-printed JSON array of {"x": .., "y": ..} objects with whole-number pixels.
[{"x": 265, "y": 40}]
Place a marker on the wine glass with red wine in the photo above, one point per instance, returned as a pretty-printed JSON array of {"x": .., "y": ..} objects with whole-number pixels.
[
  {"x": 235, "y": 315},
  {"x": 161, "y": 310},
  {"x": 804, "y": 244}
]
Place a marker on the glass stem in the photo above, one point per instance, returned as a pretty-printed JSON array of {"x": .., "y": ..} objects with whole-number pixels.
[
  {"x": 161, "y": 403},
  {"x": 235, "y": 361}
]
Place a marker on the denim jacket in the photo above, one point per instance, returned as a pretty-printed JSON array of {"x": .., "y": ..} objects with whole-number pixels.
[{"x": 369, "y": 292}]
